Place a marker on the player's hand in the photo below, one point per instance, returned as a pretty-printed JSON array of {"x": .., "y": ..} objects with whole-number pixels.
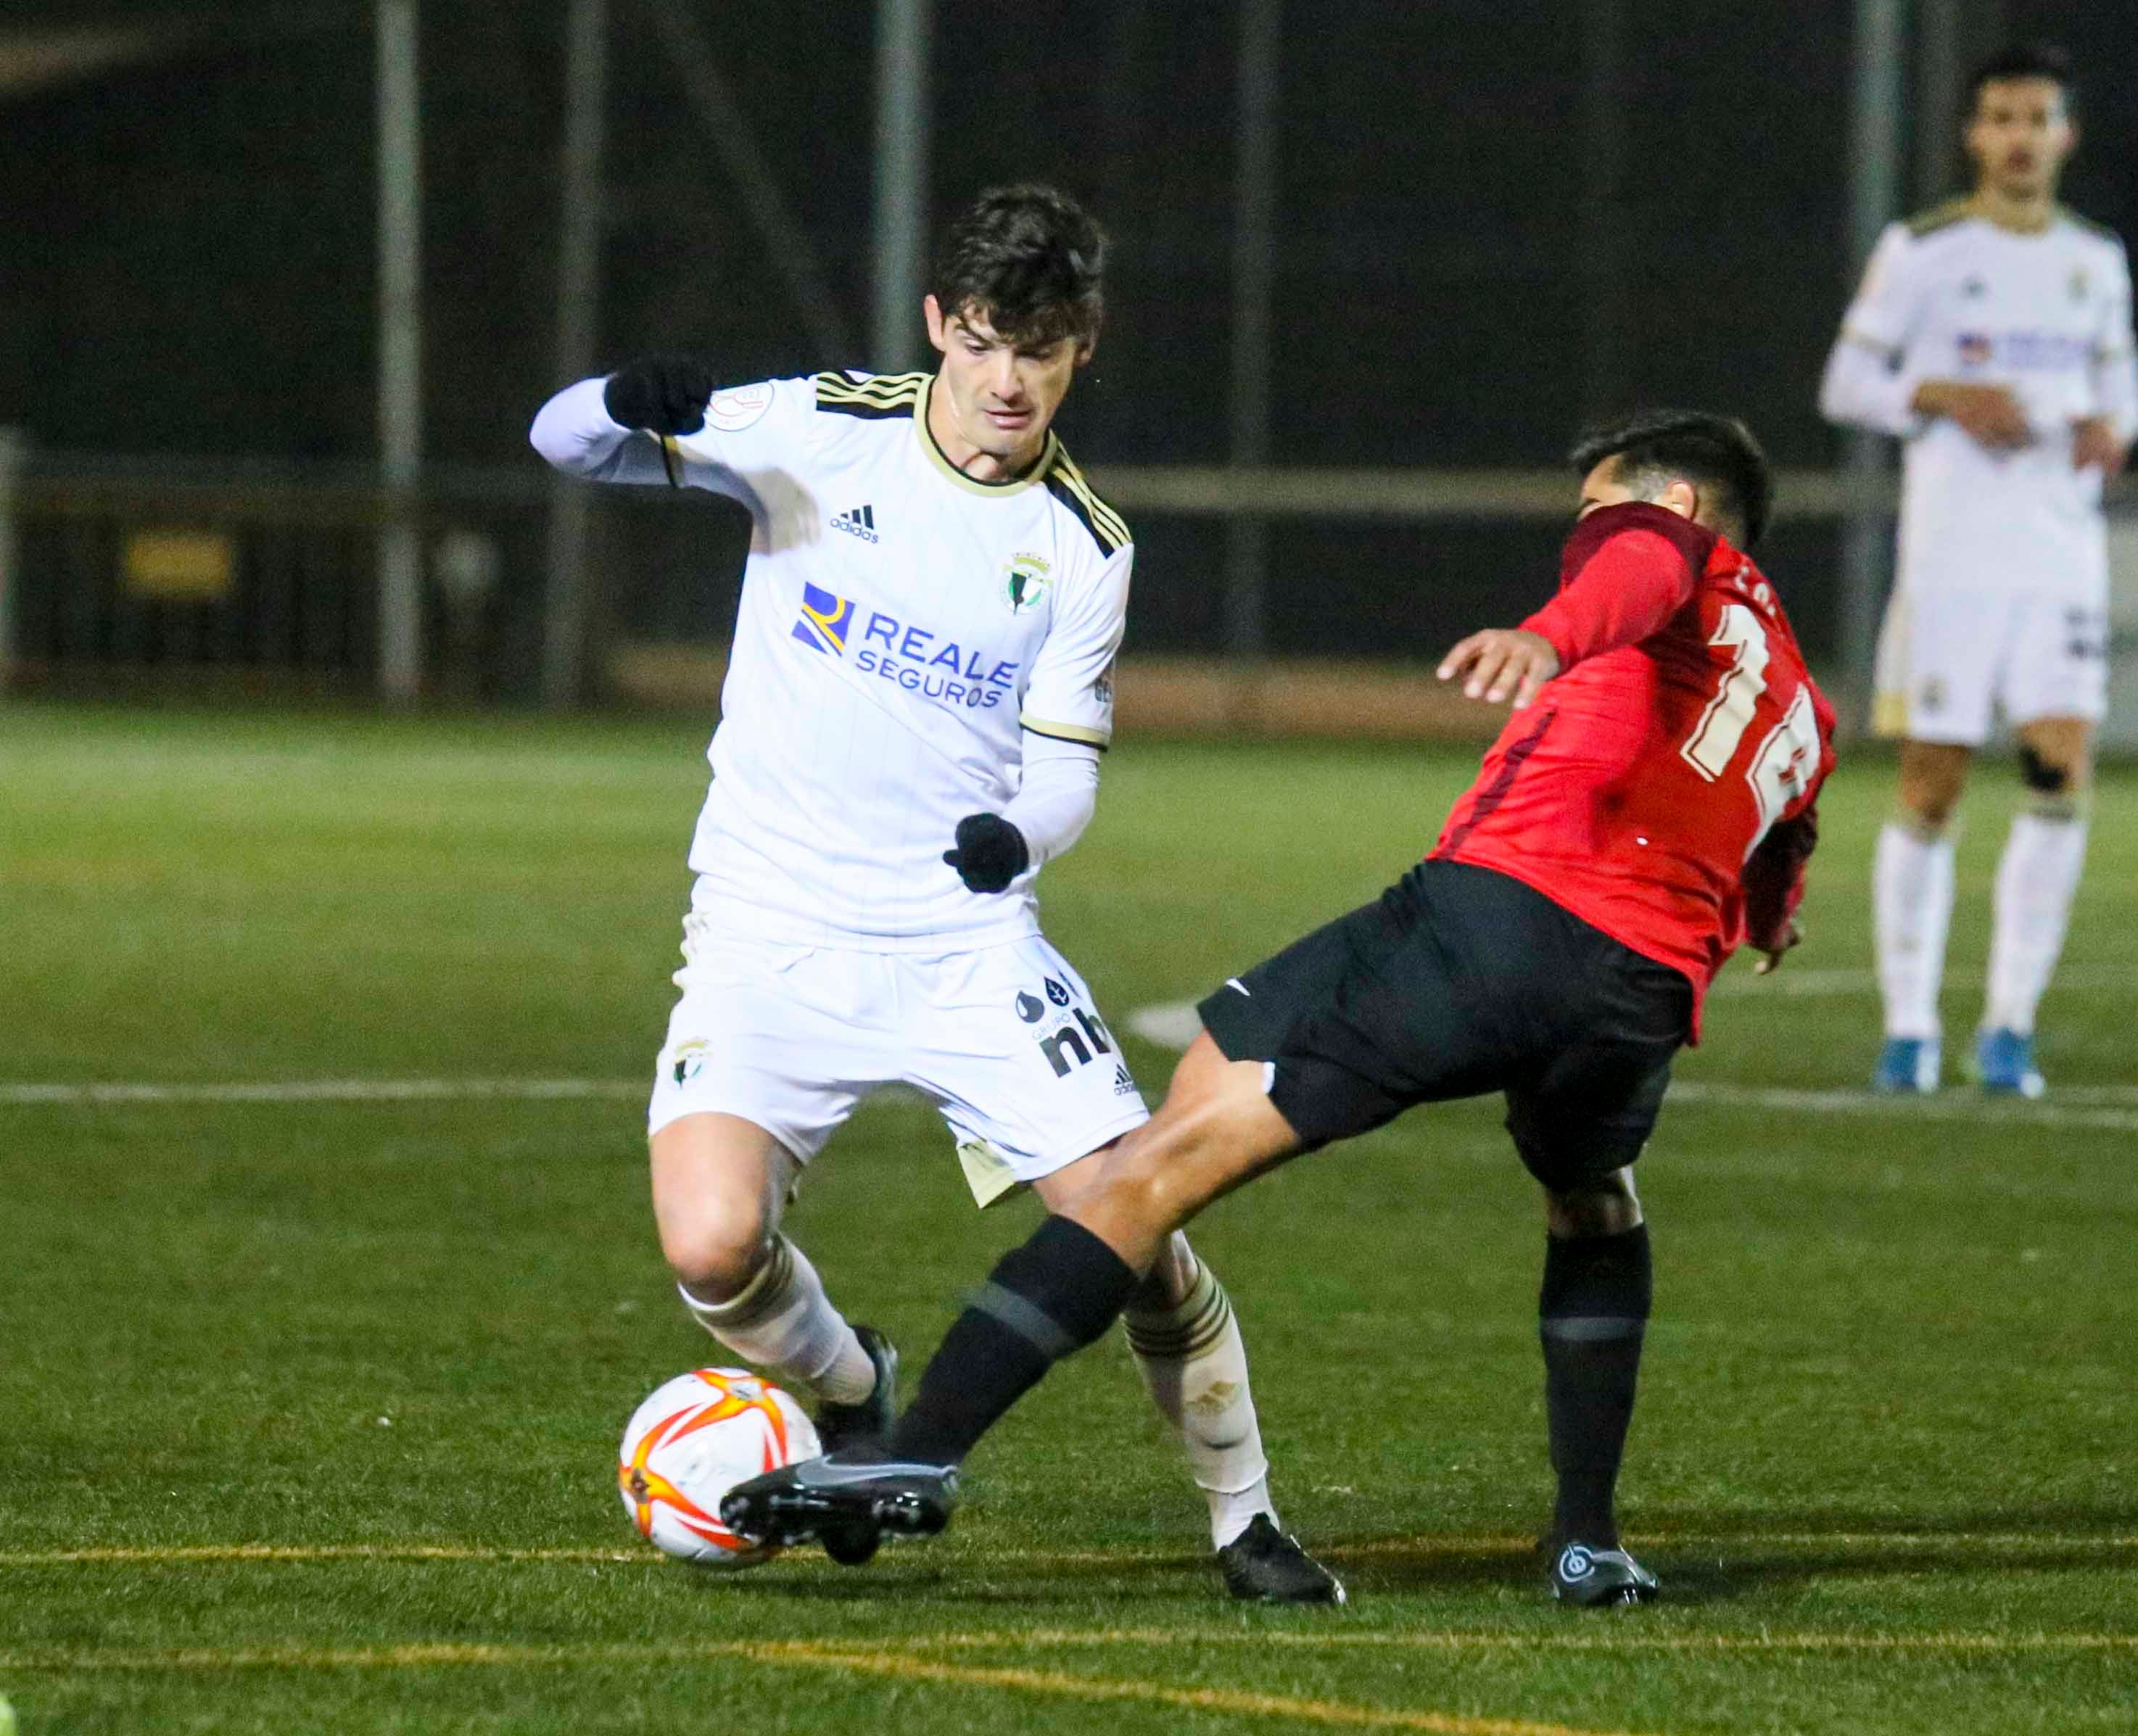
[
  {"x": 2094, "y": 441},
  {"x": 663, "y": 394},
  {"x": 1500, "y": 661},
  {"x": 1990, "y": 416},
  {"x": 1771, "y": 958},
  {"x": 991, "y": 853}
]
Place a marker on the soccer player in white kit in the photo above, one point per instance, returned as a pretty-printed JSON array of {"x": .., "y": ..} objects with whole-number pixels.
[
  {"x": 1993, "y": 335},
  {"x": 920, "y": 687}
]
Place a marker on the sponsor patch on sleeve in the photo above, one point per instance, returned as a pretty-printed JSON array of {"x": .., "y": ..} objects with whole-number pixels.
[{"x": 737, "y": 408}]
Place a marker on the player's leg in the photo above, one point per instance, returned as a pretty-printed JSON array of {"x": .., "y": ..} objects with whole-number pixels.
[
  {"x": 740, "y": 1102},
  {"x": 1034, "y": 1090},
  {"x": 720, "y": 1184},
  {"x": 2037, "y": 880},
  {"x": 1913, "y": 871},
  {"x": 1579, "y": 1121},
  {"x": 1064, "y": 1287},
  {"x": 1936, "y": 659}
]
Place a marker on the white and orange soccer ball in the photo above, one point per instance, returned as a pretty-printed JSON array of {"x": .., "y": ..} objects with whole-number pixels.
[{"x": 692, "y": 1442}]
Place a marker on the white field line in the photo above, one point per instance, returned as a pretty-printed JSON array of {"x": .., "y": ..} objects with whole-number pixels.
[
  {"x": 2112, "y": 1108},
  {"x": 324, "y": 1090}
]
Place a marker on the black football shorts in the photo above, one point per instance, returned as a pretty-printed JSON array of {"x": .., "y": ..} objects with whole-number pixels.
[{"x": 1457, "y": 981}]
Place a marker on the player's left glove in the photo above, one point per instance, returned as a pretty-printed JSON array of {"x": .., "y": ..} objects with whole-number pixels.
[
  {"x": 991, "y": 853},
  {"x": 663, "y": 394}
]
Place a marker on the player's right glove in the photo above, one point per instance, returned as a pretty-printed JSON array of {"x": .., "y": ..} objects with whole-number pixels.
[
  {"x": 663, "y": 394},
  {"x": 991, "y": 853}
]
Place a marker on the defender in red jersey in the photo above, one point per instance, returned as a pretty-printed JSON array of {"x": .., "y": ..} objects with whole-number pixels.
[{"x": 1649, "y": 809}]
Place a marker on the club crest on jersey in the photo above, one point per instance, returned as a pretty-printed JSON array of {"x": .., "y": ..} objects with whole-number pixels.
[
  {"x": 1975, "y": 348},
  {"x": 825, "y": 619},
  {"x": 690, "y": 1060},
  {"x": 1026, "y": 584}
]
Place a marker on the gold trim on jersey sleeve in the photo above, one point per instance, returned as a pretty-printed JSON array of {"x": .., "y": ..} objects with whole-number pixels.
[
  {"x": 1100, "y": 739},
  {"x": 1864, "y": 340},
  {"x": 875, "y": 396},
  {"x": 1941, "y": 216}
]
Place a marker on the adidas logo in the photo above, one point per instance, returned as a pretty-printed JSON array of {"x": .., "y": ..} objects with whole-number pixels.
[
  {"x": 1124, "y": 1085},
  {"x": 860, "y": 522}
]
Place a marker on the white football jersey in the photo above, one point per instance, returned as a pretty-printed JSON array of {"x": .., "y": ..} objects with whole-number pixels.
[
  {"x": 1952, "y": 295},
  {"x": 901, "y": 627}
]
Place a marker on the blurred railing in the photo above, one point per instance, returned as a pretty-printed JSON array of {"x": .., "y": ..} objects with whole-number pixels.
[{"x": 263, "y": 578}]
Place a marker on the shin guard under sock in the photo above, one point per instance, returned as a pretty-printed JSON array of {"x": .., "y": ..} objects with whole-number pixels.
[
  {"x": 1057, "y": 1293},
  {"x": 1593, "y": 1313}
]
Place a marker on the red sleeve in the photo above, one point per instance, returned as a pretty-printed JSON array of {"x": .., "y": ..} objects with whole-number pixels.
[
  {"x": 1634, "y": 582},
  {"x": 1774, "y": 880}
]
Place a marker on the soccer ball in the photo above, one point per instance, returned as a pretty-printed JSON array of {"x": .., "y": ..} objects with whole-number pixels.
[{"x": 692, "y": 1442}]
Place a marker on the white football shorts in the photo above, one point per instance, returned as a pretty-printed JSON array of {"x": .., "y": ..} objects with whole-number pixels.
[
  {"x": 1948, "y": 660},
  {"x": 1004, "y": 1040}
]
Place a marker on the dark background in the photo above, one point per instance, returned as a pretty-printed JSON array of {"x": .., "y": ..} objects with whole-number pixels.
[{"x": 190, "y": 263}]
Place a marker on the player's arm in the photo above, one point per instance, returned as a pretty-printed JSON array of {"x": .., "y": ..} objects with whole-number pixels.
[
  {"x": 1049, "y": 812},
  {"x": 2104, "y": 438},
  {"x": 1632, "y": 581},
  {"x": 1067, "y": 717},
  {"x": 1774, "y": 887},
  {"x": 586, "y": 429},
  {"x": 1871, "y": 381}
]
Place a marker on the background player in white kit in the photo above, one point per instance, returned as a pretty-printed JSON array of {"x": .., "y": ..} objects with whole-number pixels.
[
  {"x": 1993, "y": 335},
  {"x": 923, "y": 659}
]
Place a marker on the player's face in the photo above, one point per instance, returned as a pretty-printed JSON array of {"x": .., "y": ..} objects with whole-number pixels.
[
  {"x": 998, "y": 397},
  {"x": 2019, "y": 136},
  {"x": 1601, "y": 487}
]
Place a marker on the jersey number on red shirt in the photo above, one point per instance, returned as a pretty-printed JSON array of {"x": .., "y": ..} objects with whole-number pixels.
[{"x": 1785, "y": 761}]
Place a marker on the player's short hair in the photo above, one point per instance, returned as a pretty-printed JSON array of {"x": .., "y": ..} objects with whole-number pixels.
[
  {"x": 1656, "y": 447},
  {"x": 2023, "y": 59},
  {"x": 1030, "y": 260}
]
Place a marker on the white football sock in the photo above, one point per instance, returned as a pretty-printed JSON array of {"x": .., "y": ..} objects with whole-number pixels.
[
  {"x": 784, "y": 1322},
  {"x": 1911, "y": 909},
  {"x": 1195, "y": 1368},
  {"x": 2036, "y": 881}
]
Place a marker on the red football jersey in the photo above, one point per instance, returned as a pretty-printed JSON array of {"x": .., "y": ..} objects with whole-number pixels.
[{"x": 1670, "y": 769}]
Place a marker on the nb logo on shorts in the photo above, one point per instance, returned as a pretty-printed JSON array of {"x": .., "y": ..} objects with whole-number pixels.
[
  {"x": 1057, "y": 994},
  {"x": 825, "y": 621},
  {"x": 1066, "y": 1042},
  {"x": 1031, "y": 1010}
]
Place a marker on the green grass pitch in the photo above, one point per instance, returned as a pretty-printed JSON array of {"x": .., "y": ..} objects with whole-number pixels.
[{"x": 307, "y": 1407}]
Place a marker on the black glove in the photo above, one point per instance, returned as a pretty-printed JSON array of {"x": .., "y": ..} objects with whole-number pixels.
[
  {"x": 663, "y": 394},
  {"x": 991, "y": 853}
]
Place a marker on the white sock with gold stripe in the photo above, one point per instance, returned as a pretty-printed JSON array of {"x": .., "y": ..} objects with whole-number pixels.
[
  {"x": 1195, "y": 1366},
  {"x": 784, "y": 1322}
]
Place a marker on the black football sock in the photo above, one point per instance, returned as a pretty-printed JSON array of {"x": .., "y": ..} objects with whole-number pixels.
[
  {"x": 1057, "y": 1293},
  {"x": 1592, "y": 1314}
]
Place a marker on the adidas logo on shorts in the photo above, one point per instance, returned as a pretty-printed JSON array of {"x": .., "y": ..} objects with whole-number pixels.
[{"x": 860, "y": 522}]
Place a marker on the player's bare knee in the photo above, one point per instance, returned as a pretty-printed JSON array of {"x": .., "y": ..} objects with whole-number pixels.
[
  {"x": 1605, "y": 1206},
  {"x": 1933, "y": 778},
  {"x": 717, "y": 1244}
]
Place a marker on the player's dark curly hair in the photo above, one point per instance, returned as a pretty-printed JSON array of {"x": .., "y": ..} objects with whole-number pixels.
[
  {"x": 1029, "y": 259},
  {"x": 1656, "y": 447},
  {"x": 2024, "y": 59}
]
